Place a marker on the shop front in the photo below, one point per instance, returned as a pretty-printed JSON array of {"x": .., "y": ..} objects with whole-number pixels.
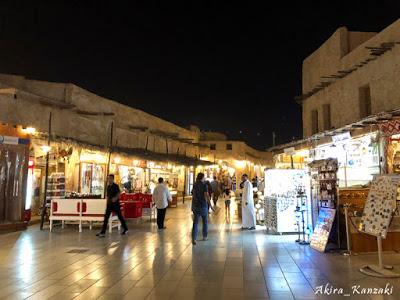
[
  {"x": 225, "y": 174},
  {"x": 390, "y": 131},
  {"x": 336, "y": 165},
  {"x": 345, "y": 165},
  {"x": 14, "y": 164},
  {"x": 131, "y": 174},
  {"x": 74, "y": 171},
  {"x": 358, "y": 157},
  {"x": 292, "y": 158},
  {"x": 92, "y": 170}
]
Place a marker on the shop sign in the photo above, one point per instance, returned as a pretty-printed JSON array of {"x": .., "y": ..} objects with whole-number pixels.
[
  {"x": 10, "y": 140},
  {"x": 96, "y": 157},
  {"x": 289, "y": 151},
  {"x": 341, "y": 137}
]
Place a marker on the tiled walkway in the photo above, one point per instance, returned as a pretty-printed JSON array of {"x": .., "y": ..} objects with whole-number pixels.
[{"x": 164, "y": 265}]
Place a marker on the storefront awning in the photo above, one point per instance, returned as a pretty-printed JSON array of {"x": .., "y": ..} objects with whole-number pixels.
[
  {"x": 162, "y": 157},
  {"x": 367, "y": 124}
]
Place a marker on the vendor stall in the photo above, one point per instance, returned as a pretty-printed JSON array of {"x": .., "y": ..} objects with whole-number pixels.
[
  {"x": 286, "y": 195},
  {"x": 358, "y": 157},
  {"x": 92, "y": 172}
]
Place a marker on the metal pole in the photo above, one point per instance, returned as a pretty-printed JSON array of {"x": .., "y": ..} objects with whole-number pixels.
[
  {"x": 345, "y": 169},
  {"x": 379, "y": 153},
  {"x": 185, "y": 173},
  {"x": 110, "y": 143},
  {"x": 379, "y": 240},
  {"x": 46, "y": 178},
  {"x": 346, "y": 215}
]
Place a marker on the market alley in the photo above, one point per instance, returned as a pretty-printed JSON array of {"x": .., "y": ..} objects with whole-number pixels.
[{"x": 232, "y": 264}]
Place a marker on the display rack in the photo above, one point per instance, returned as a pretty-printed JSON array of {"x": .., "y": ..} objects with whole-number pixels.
[
  {"x": 56, "y": 186},
  {"x": 281, "y": 202},
  {"x": 301, "y": 210},
  {"x": 324, "y": 186},
  {"x": 377, "y": 216}
]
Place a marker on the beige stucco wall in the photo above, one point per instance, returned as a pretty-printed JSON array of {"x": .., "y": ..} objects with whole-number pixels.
[
  {"x": 25, "y": 108},
  {"x": 382, "y": 75},
  {"x": 240, "y": 151},
  {"x": 325, "y": 60}
]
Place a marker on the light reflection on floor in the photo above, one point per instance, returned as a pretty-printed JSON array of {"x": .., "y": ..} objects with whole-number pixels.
[{"x": 232, "y": 264}]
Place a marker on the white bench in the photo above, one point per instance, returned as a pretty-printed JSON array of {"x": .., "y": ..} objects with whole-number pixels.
[{"x": 79, "y": 211}]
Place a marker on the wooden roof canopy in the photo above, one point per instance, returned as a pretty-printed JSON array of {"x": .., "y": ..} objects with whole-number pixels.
[{"x": 94, "y": 113}]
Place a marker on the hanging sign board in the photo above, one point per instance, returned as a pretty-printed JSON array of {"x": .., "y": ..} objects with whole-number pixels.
[
  {"x": 289, "y": 151},
  {"x": 322, "y": 229},
  {"x": 10, "y": 140},
  {"x": 380, "y": 205},
  {"x": 341, "y": 137}
]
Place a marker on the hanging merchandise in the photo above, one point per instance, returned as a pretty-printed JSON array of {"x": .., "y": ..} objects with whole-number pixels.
[
  {"x": 281, "y": 202},
  {"x": 13, "y": 178}
]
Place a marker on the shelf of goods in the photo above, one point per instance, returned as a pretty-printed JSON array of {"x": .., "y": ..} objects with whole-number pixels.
[
  {"x": 361, "y": 242},
  {"x": 56, "y": 186},
  {"x": 324, "y": 189}
]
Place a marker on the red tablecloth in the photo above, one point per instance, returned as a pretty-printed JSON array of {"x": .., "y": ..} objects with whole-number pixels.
[{"x": 132, "y": 209}]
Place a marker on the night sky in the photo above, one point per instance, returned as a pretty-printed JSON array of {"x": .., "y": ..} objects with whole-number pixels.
[{"x": 229, "y": 68}]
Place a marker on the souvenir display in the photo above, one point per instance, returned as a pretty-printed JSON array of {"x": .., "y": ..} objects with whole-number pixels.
[
  {"x": 270, "y": 214},
  {"x": 301, "y": 210},
  {"x": 324, "y": 185},
  {"x": 322, "y": 230},
  {"x": 380, "y": 205},
  {"x": 93, "y": 178},
  {"x": 281, "y": 199},
  {"x": 56, "y": 186},
  {"x": 13, "y": 175}
]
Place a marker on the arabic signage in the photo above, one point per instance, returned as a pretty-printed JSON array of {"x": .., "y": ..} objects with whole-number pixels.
[{"x": 341, "y": 137}]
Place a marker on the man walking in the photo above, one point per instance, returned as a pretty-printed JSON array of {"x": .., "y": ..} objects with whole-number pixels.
[
  {"x": 200, "y": 204},
  {"x": 248, "y": 211},
  {"x": 113, "y": 193},
  {"x": 161, "y": 197},
  {"x": 215, "y": 190}
]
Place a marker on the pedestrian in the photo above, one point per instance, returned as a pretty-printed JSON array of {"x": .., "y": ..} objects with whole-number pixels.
[
  {"x": 200, "y": 204},
  {"x": 161, "y": 197},
  {"x": 248, "y": 211},
  {"x": 210, "y": 194},
  {"x": 261, "y": 186},
  {"x": 113, "y": 193},
  {"x": 227, "y": 198},
  {"x": 215, "y": 190}
]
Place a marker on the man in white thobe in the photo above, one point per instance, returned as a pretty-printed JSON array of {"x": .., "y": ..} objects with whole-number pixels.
[
  {"x": 161, "y": 197},
  {"x": 248, "y": 211}
]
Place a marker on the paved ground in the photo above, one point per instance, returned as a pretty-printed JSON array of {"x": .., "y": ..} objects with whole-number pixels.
[{"x": 164, "y": 265}]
